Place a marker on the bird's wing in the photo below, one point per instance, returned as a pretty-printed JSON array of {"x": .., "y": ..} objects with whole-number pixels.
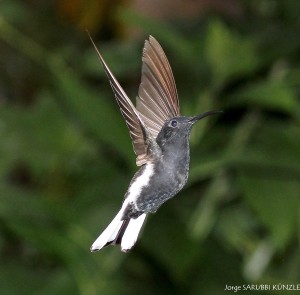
[
  {"x": 157, "y": 99},
  {"x": 139, "y": 133}
]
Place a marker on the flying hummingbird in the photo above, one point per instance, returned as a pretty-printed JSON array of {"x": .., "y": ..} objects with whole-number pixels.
[{"x": 160, "y": 137}]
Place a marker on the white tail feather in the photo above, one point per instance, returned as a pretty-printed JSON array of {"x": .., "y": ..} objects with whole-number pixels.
[
  {"x": 131, "y": 233},
  {"x": 110, "y": 233}
]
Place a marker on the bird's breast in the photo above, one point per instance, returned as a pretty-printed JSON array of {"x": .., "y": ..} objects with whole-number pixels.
[
  {"x": 176, "y": 170},
  {"x": 157, "y": 182}
]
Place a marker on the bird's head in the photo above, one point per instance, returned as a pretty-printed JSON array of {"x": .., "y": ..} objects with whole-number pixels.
[{"x": 179, "y": 128}]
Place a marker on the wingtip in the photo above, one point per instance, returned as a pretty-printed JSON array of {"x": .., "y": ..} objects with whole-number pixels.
[
  {"x": 87, "y": 31},
  {"x": 150, "y": 40},
  {"x": 97, "y": 51}
]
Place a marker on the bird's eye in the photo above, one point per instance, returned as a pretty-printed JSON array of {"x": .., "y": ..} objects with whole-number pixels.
[{"x": 174, "y": 123}]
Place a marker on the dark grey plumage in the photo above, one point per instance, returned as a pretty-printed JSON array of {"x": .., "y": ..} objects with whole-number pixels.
[{"x": 160, "y": 139}]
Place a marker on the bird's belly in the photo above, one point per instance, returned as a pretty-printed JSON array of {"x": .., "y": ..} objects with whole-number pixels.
[{"x": 164, "y": 184}]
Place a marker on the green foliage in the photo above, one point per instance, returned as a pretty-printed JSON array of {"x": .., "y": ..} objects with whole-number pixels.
[
  {"x": 66, "y": 157},
  {"x": 229, "y": 55}
]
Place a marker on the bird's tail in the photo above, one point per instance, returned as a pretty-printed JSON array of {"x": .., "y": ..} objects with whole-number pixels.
[{"x": 119, "y": 231}]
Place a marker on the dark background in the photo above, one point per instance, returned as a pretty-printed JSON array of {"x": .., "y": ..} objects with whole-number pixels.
[{"x": 66, "y": 158}]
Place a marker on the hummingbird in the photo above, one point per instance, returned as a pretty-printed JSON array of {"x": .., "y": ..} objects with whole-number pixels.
[{"x": 160, "y": 138}]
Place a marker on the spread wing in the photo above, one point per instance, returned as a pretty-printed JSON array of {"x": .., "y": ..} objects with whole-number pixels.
[
  {"x": 139, "y": 133},
  {"x": 157, "y": 99}
]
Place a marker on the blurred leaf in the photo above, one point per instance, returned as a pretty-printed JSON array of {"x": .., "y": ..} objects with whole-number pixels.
[
  {"x": 237, "y": 228},
  {"x": 170, "y": 239},
  {"x": 272, "y": 94},
  {"x": 86, "y": 14},
  {"x": 204, "y": 216},
  {"x": 275, "y": 145},
  {"x": 14, "y": 10},
  {"x": 124, "y": 59},
  {"x": 204, "y": 102},
  {"x": 276, "y": 203},
  {"x": 96, "y": 113},
  {"x": 15, "y": 277},
  {"x": 80, "y": 100},
  {"x": 259, "y": 260},
  {"x": 160, "y": 30},
  {"x": 230, "y": 56},
  {"x": 60, "y": 241},
  {"x": 40, "y": 136}
]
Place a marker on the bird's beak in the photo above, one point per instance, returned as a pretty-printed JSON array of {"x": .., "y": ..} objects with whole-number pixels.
[{"x": 195, "y": 119}]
